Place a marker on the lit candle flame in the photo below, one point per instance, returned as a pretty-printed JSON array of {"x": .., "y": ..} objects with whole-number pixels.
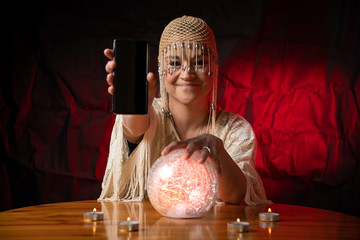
[
  {"x": 269, "y": 210},
  {"x": 94, "y": 210},
  {"x": 238, "y": 220},
  {"x": 128, "y": 219}
]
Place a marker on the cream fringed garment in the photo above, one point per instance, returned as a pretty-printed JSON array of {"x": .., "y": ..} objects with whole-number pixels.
[{"x": 125, "y": 176}]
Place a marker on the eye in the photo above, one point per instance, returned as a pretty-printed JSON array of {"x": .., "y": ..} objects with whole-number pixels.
[
  {"x": 200, "y": 62},
  {"x": 176, "y": 63}
]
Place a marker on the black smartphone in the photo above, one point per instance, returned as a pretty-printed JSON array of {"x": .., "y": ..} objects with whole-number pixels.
[{"x": 131, "y": 87}]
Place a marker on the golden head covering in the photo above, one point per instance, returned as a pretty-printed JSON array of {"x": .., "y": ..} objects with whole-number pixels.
[
  {"x": 198, "y": 36},
  {"x": 188, "y": 28}
]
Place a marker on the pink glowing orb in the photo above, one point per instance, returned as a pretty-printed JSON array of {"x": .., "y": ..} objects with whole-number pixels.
[{"x": 181, "y": 188}]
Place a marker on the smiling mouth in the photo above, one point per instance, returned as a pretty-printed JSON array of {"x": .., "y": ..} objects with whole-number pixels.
[{"x": 188, "y": 85}]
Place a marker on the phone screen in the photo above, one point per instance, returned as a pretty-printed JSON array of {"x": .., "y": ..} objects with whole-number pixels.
[{"x": 131, "y": 87}]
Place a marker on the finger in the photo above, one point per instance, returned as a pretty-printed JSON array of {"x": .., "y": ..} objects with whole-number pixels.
[
  {"x": 109, "y": 53},
  {"x": 111, "y": 90},
  {"x": 204, "y": 154},
  {"x": 110, "y": 66},
  {"x": 110, "y": 79},
  {"x": 190, "y": 149},
  {"x": 172, "y": 146},
  {"x": 152, "y": 85}
]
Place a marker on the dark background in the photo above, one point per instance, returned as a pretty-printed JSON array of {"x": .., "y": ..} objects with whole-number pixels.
[{"x": 291, "y": 68}]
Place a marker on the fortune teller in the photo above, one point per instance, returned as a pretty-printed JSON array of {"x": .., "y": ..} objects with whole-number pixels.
[{"x": 184, "y": 116}]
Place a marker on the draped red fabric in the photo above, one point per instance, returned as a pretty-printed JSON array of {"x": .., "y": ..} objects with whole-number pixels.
[
  {"x": 301, "y": 94},
  {"x": 304, "y": 113},
  {"x": 291, "y": 68}
]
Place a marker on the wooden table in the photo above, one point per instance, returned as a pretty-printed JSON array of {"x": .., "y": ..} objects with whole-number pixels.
[{"x": 65, "y": 220}]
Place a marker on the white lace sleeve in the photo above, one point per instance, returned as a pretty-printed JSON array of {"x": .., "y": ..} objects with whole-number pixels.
[
  {"x": 240, "y": 142},
  {"x": 117, "y": 155},
  {"x": 125, "y": 175}
]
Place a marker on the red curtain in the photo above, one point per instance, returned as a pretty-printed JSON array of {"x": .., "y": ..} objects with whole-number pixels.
[{"x": 298, "y": 84}]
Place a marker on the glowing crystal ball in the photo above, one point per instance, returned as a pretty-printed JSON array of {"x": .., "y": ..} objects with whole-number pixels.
[{"x": 181, "y": 188}]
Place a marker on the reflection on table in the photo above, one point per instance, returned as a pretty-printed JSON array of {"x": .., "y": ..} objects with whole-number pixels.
[{"x": 65, "y": 220}]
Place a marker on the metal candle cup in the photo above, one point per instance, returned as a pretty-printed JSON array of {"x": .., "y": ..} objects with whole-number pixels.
[
  {"x": 269, "y": 216},
  {"x": 93, "y": 216},
  {"x": 128, "y": 226},
  {"x": 238, "y": 226}
]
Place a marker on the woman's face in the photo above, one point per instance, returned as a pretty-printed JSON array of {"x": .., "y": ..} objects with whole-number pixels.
[{"x": 187, "y": 78}]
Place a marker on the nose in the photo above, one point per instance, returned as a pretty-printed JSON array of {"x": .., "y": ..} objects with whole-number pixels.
[{"x": 187, "y": 73}]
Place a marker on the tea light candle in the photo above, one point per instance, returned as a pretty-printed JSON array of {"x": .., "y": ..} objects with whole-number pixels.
[
  {"x": 238, "y": 226},
  {"x": 93, "y": 216},
  {"x": 269, "y": 216},
  {"x": 128, "y": 226}
]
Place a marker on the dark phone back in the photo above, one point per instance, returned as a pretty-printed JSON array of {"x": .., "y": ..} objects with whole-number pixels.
[{"x": 131, "y": 93}]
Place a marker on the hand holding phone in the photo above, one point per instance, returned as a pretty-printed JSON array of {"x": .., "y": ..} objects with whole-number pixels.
[{"x": 131, "y": 87}]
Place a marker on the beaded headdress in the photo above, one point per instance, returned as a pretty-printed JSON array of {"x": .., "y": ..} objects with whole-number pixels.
[{"x": 189, "y": 34}]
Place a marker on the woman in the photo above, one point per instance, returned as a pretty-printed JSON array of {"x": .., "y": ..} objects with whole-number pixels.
[{"x": 185, "y": 116}]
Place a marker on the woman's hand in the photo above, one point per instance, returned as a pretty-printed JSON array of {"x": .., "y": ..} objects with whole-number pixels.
[
  {"x": 208, "y": 145},
  {"x": 232, "y": 181},
  {"x": 110, "y": 66},
  {"x": 134, "y": 126}
]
